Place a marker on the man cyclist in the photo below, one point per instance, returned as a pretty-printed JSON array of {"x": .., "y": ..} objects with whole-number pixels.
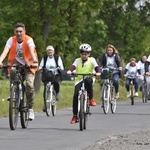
[
  {"x": 141, "y": 64},
  {"x": 21, "y": 50},
  {"x": 85, "y": 64}
]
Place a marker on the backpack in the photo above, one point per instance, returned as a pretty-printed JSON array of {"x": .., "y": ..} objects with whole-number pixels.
[{"x": 56, "y": 60}]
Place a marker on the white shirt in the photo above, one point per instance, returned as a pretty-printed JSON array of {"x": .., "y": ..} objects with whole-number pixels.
[
  {"x": 51, "y": 64},
  {"x": 19, "y": 49},
  {"x": 132, "y": 70},
  {"x": 142, "y": 67}
]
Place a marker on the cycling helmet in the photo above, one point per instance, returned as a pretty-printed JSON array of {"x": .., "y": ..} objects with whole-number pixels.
[{"x": 85, "y": 48}]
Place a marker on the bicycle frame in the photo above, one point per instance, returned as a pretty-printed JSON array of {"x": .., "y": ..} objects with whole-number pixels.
[{"x": 50, "y": 99}]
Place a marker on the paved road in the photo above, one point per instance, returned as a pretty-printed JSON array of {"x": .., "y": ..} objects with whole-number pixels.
[{"x": 56, "y": 133}]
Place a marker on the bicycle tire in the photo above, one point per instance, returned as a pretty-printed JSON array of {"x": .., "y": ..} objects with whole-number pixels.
[
  {"x": 105, "y": 103},
  {"x": 144, "y": 93},
  {"x": 113, "y": 100},
  {"x": 13, "y": 107},
  {"x": 132, "y": 95},
  {"x": 81, "y": 113},
  {"x": 54, "y": 103},
  {"x": 24, "y": 114},
  {"x": 47, "y": 101},
  {"x": 86, "y": 114}
]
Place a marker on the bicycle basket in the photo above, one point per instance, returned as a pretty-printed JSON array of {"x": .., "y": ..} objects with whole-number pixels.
[
  {"x": 106, "y": 73},
  {"x": 47, "y": 76}
]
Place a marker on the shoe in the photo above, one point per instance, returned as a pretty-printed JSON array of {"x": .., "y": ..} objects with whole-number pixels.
[
  {"x": 44, "y": 110},
  {"x": 136, "y": 94},
  {"x": 57, "y": 96},
  {"x": 117, "y": 95},
  {"x": 74, "y": 119},
  {"x": 92, "y": 102},
  {"x": 31, "y": 114},
  {"x": 128, "y": 94}
]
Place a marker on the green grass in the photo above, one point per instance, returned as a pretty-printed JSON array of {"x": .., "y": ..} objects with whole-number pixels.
[{"x": 66, "y": 91}]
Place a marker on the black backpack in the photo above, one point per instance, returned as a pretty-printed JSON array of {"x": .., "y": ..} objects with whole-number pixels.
[{"x": 56, "y": 60}]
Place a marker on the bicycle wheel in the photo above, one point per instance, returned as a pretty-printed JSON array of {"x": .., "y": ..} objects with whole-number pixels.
[
  {"x": 144, "y": 93},
  {"x": 54, "y": 103},
  {"x": 81, "y": 113},
  {"x": 24, "y": 114},
  {"x": 86, "y": 114},
  {"x": 132, "y": 95},
  {"x": 47, "y": 100},
  {"x": 113, "y": 100},
  {"x": 13, "y": 107},
  {"x": 105, "y": 99}
]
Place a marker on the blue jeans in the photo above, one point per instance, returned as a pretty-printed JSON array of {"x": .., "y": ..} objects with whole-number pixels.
[
  {"x": 135, "y": 82},
  {"x": 115, "y": 80}
]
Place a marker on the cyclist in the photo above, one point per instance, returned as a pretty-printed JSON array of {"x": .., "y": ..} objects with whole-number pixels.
[
  {"x": 141, "y": 63},
  {"x": 111, "y": 59},
  {"x": 52, "y": 62},
  {"x": 147, "y": 76},
  {"x": 132, "y": 72},
  {"x": 21, "y": 50},
  {"x": 84, "y": 64}
]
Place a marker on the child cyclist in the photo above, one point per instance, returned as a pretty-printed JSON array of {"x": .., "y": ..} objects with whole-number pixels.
[{"x": 85, "y": 65}]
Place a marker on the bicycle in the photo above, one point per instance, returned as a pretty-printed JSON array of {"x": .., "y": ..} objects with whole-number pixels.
[
  {"x": 18, "y": 102},
  {"x": 50, "y": 101},
  {"x": 131, "y": 88},
  {"x": 108, "y": 91},
  {"x": 83, "y": 103}
]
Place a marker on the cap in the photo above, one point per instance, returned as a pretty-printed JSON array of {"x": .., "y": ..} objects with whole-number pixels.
[{"x": 50, "y": 48}]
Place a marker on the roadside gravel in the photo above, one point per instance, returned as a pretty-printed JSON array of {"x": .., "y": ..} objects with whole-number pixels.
[{"x": 134, "y": 141}]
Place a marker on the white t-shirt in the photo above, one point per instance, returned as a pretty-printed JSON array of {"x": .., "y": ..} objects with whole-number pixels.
[
  {"x": 51, "y": 64},
  {"x": 19, "y": 49},
  {"x": 132, "y": 70}
]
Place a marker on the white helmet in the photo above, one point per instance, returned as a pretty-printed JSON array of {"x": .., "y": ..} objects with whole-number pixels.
[{"x": 85, "y": 48}]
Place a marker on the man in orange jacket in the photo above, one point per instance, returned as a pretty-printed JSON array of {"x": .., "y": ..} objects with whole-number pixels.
[{"x": 21, "y": 50}]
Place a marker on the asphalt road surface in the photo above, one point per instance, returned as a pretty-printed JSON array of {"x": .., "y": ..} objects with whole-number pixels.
[{"x": 56, "y": 133}]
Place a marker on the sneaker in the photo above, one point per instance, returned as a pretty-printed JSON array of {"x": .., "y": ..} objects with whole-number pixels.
[
  {"x": 117, "y": 95},
  {"x": 136, "y": 94},
  {"x": 92, "y": 102},
  {"x": 57, "y": 96},
  {"x": 74, "y": 119},
  {"x": 128, "y": 94},
  {"x": 31, "y": 114}
]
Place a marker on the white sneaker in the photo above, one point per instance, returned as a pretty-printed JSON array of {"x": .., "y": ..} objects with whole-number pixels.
[
  {"x": 117, "y": 95},
  {"x": 31, "y": 114},
  {"x": 128, "y": 94},
  {"x": 136, "y": 94}
]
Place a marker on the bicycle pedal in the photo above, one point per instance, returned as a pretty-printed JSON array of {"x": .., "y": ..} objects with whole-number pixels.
[{"x": 89, "y": 113}]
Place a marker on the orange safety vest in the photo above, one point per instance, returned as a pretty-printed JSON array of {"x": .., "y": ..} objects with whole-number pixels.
[{"x": 26, "y": 53}]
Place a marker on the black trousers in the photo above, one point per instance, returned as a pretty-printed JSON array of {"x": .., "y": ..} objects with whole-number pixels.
[
  {"x": 89, "y": 88},
  {"x": 56, "y": 84}
]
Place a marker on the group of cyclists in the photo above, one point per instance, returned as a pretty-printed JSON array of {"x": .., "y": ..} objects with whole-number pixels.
[{"x": 21, "y": 50}]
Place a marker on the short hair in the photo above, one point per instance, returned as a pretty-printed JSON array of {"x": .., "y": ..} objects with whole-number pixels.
[{"x": 19, "y": 24}]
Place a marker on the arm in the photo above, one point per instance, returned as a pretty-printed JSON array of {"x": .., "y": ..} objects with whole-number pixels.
[{"x": 4, "y": 54}]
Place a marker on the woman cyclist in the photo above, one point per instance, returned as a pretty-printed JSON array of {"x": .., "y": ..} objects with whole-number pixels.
[{"x": 111, "y": 59}]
